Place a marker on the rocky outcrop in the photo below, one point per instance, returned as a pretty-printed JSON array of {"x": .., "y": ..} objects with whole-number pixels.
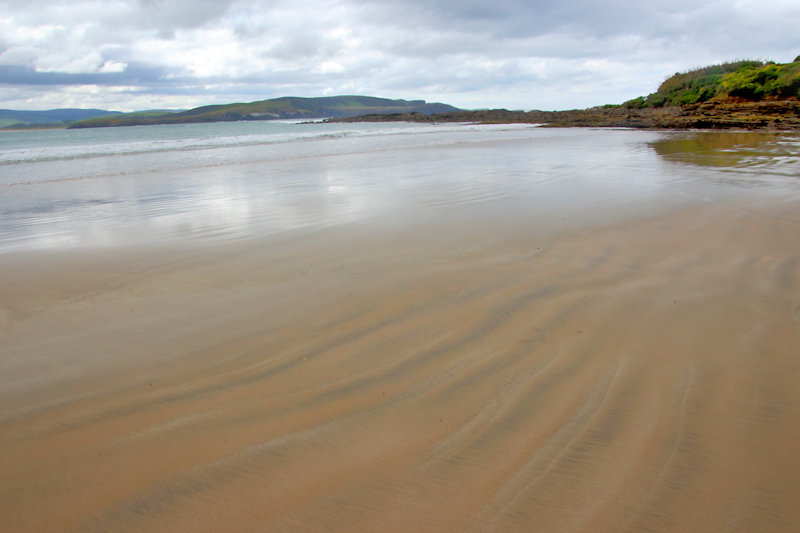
[{"x": 765, "y": 114}]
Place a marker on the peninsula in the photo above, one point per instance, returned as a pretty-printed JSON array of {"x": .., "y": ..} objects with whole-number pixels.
[
  {"x": 740, "y": 94},
  {"x": 288, "y": 107}
]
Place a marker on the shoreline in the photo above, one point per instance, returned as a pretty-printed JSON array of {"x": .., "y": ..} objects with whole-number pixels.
[
  {"x": 730, "y": 114},
  {"x": 769, "y": 115}
]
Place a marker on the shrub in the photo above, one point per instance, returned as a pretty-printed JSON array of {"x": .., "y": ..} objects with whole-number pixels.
[
  {"x": 757, "y": 83},
  {"x": 750, "y": 79},
  {"x": 636, "y": 103}
]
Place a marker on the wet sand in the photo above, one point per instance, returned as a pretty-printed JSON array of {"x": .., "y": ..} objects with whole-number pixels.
[{"x": 640, "y": 376}]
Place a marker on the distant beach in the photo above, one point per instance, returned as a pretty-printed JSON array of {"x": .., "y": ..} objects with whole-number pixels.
[{"x": 399, "y": 327}]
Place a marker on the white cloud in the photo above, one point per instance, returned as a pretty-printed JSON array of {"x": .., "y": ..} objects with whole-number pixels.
[
  {"x": 18, "y": 55},
  {"x": 330, "y": 67},
  {"x": 112, "y": 66}
]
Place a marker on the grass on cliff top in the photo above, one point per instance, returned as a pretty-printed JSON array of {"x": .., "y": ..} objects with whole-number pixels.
[
  {"x": 121, "y": 118},
  {"x": 746, "y": 79}
]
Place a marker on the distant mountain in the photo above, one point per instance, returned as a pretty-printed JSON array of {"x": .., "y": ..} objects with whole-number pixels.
[
  {"x": 54, "y": 117},
  {"x": 277, "y": 108}
]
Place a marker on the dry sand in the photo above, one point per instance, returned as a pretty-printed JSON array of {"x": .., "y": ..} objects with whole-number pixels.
[{"x": 637, "y": 377}]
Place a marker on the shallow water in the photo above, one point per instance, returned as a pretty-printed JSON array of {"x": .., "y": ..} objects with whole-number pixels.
[
  {"x": 184, "y": 183},
  {"x": 766, "y": 156}
]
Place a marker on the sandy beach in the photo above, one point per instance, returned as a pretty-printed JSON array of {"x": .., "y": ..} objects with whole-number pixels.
[{"x": 630, "y": 376}]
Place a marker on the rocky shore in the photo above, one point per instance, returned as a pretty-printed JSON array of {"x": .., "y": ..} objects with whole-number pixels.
[{"x": 729, "y": 114}]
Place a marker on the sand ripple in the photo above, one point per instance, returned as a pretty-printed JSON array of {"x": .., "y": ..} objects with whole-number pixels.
[{"x": 634, "y": 378}]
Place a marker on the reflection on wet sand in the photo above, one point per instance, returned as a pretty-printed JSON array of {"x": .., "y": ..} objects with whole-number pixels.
[
  {"x": 631, "y": 377},
  {"x": 765, "y": 152}
]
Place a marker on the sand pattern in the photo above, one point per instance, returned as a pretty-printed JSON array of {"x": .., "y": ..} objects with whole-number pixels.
[{"x": 636, "y": 377}]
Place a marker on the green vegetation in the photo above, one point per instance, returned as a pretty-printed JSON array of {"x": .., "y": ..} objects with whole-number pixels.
[
  {"x": 54, "y": 118},
  {"x": 120, "y": 119},
  {"x": 747, "y": 79},
  {"x": 771, "y": 80},
  {"x": 278, "y": 108}
]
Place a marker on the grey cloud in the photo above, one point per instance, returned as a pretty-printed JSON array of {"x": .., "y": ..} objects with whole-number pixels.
[
  {"x": 171, "y": 15},
  {"x": 508, "y": 20},
  {"x": 135, "y": 74},
  {"x": 294, "y": 47},
  {"x": 126, "y": 20},
  {"x": 500, "y": 18}
]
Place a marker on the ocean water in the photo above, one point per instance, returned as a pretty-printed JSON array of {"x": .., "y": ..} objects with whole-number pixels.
[{"x": 204, "y": 182}]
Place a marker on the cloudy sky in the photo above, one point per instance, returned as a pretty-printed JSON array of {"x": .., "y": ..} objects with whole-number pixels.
[{"x": 519, "y": 54}]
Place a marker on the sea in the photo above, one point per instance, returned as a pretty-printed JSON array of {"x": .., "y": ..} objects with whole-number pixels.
[{"x": 220, "y": 182}]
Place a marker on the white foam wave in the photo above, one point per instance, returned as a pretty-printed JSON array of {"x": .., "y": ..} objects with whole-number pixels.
[{"x": 209, "y": 141}]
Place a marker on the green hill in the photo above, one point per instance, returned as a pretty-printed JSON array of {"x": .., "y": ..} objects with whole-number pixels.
[
  {"x": 277, "y": 108},
  {"x": 10, "y": 118},
  {"x": 745, "y": 80}
]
